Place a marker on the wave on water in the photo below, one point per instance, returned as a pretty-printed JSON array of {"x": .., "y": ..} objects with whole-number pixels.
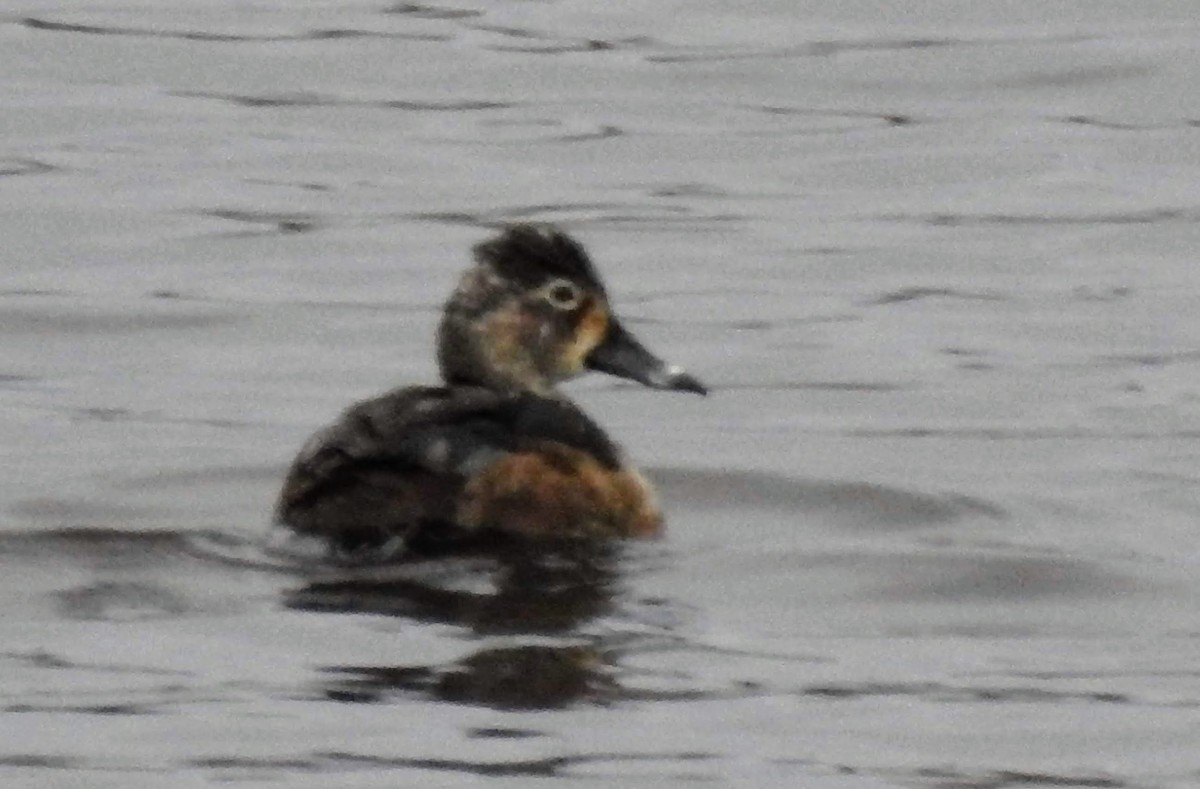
[
  {"x": 842, "y": 502},
  {"x": 13, "y": 167},
  {"x": 56, "y": 26}
]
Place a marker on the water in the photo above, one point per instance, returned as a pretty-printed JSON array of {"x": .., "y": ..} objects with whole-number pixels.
[{"x": 935, "y": 526}]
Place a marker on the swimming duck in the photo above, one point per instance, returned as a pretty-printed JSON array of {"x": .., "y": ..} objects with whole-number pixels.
[{"x": 497, "y": 447}]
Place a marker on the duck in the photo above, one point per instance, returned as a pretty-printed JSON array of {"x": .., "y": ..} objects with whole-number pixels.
[{"x": 497, "y": 447}]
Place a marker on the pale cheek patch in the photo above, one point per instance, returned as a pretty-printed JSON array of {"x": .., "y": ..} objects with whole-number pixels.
[
  {"x": 503, "y": 334},
  {"x": 505, "y": 338}
]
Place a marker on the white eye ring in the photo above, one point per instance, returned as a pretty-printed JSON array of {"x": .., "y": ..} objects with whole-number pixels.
[{"x": 562, "y": 294}]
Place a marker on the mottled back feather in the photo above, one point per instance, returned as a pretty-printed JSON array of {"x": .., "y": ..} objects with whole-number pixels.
[{"x": 397, "y": 462}]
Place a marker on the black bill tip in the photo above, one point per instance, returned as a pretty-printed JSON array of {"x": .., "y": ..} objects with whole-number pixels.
[
  {"x": 677, "y": 379},
  {"x": 622, "y": 355}
]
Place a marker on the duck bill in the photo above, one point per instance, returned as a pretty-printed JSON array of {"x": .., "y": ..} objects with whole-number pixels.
[{"x": 620, "y": 354}]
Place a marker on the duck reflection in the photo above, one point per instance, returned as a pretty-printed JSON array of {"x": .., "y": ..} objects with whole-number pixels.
[
  {"x": 522, "y": 677},
  {"x": 534, "y": 588}
]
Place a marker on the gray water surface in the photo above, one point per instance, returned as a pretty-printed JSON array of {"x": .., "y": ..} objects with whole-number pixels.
[{"x": 935, "y": 527}]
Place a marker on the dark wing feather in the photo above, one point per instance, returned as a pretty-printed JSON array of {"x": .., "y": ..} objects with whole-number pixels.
[
  {"x": 391, "y": 463},
  {"x": 536, "y": 419}
]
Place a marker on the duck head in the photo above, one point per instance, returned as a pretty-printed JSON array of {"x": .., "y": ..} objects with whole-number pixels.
[{"x": 533, "y": 312}]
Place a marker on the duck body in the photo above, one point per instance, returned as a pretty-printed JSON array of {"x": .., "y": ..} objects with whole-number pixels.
[{"x": 496, "y": 448}]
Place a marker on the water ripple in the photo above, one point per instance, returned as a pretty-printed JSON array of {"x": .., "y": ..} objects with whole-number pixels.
[
  {"x": 996, "y": 578},
  {"x": 942, "y": 778},
  {"x": 70, "y": 319},
  {"x": 938, "y": 692},
  {"x": 1134, "y": 217},
  {"x": 423, "y": 11},
  {"x": 272, "y": 221},
  {"x": 573, "y": 215},
  {"x": 307, "y": 99},
  {"x": 15, "y": 381},
  {"x": 121, "y": 601},
  {"x": 16, "y": 167},
  {"x": 547, "y": 43},
  {"x": 1039, "y": 433},
  {"x": 49, "y": 25},
  {"x": 917, "y": 293},
  {"x": 812, "y": 49},
  {"x": 545, "y": 767},
  {"x": 814, "y": 386},
  {"x": 877, "y": 506},
  {"x": 1100, "y": 123},
  {"x": 45, "y": 660}
]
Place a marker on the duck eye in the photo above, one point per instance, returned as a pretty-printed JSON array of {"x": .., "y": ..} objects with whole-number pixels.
[{"x": 562, "y": 295}]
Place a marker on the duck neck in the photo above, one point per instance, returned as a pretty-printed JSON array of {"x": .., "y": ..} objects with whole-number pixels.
[{"x": 469, "y": 355}]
